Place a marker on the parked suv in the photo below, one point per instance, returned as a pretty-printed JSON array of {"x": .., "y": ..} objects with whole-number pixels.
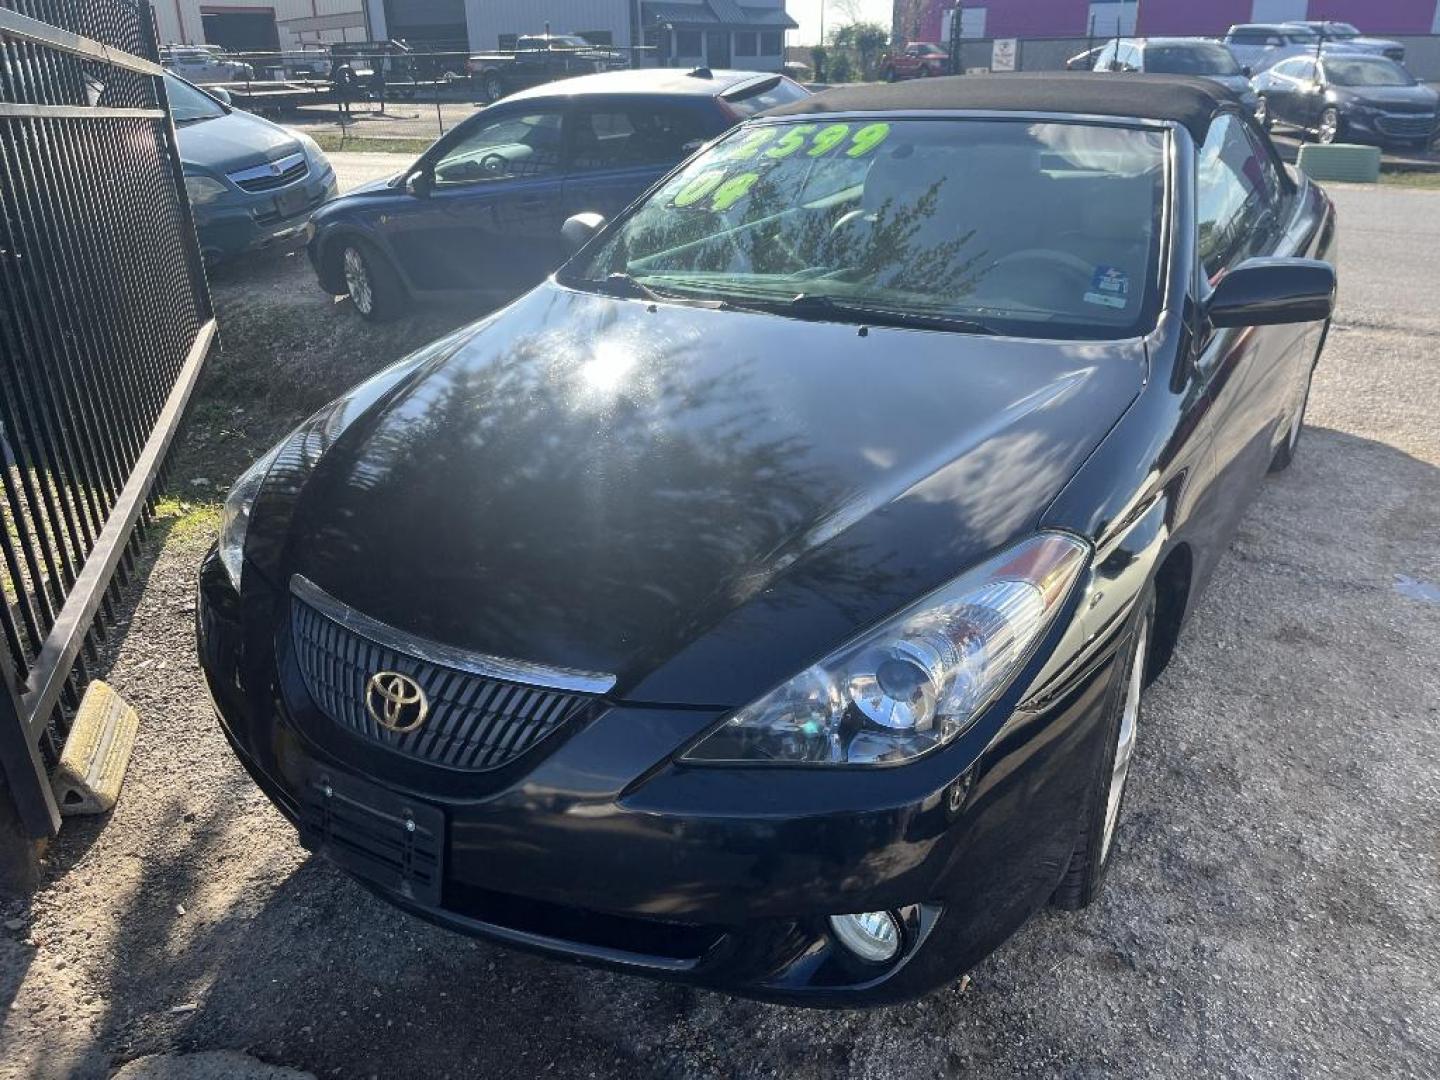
[
  {"x": 1179, "y": 56},
  {"x": 1348, "y": 97},
  {"x": 919, "y": 59},
  {"x": 1345, "y": 34},
  {"x": 481, "y": 210},
  {"x": 251, "y": 183}
]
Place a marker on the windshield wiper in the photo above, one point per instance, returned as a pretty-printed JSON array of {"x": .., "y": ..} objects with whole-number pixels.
[
  {"x": 622, "y": 284},
  {"x": 823, "y": 306}
]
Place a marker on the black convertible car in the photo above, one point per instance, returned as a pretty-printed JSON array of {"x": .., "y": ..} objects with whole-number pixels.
[{"x": 765, "y": 600}]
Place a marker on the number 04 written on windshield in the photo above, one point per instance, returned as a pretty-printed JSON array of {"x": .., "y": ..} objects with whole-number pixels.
[{"x": 719, "y": 189}]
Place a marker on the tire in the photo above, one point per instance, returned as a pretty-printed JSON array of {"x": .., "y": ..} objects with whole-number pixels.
[
  {"x": 1095, "y": 849},
  {"x": 491, "y": 89},
  {"x": 1332, "y": 127},
  {"x": 370, "y": 281},
  {"x": 1262, "y": 113},
  {"x": 1285, "y": 452}
]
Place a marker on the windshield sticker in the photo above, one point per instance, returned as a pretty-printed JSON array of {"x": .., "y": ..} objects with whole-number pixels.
[{"x": 1109, "y": 287}]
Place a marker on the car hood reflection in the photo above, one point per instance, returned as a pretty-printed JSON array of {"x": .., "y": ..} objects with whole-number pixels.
[{"x": 699, "y": 502}]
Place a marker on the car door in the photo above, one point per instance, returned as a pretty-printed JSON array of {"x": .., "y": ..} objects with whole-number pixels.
[
  {"x": 487, "y": 208},
  {"x": 620, "y": 146},
  {"x": 1281, "y": 86},
  {"x": 1310, "y": 95},
  {"x": 1251, "y": 372}
]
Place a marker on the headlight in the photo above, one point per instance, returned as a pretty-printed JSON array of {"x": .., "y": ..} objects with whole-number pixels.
[
  {"x": 918, "y": 680},
  {"x": 203, "y": 189},
  {"x": 235, "y": 517},
  {"x": 312, "y": 150}
]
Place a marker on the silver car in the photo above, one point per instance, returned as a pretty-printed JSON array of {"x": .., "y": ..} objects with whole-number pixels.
[{"x": 205, "y": 64}]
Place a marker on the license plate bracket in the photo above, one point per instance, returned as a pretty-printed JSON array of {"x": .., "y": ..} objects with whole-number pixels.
[
  {"x": 388, "y": 839},
  {"x": 291, "y": 202}
]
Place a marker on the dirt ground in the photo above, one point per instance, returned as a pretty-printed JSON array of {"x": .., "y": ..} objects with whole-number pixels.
[{"x": 1274, "y": 911}]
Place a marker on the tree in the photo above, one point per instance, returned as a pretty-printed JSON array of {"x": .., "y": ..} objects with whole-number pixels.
[{"x": 862, "y": 42}]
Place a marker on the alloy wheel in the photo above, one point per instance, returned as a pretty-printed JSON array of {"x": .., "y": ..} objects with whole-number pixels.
[
  {"x": 1125, "y": 741},
  {"x": 357, "y": 281}
]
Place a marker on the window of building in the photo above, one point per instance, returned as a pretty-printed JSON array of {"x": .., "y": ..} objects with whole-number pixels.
[
  {"x": 771, "y": 43},
  {"x": 687, "y": 43},
  {"x": 747, "y": 43}
]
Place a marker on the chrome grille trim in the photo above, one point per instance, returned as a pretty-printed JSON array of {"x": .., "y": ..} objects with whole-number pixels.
[
  {"x": 491, "y": 667},
  {"x": 272, "y": 174},
  {"x": 476, "y": 722}
]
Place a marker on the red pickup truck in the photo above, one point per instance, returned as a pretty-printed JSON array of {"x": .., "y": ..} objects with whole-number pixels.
[{"x": 917, "y": 60}]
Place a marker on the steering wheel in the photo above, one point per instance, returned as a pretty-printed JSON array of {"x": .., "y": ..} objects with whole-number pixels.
[{"x": 495, "y": 164}]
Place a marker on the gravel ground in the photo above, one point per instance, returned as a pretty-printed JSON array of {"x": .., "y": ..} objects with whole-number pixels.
[{"x": 1273, "y": 910}]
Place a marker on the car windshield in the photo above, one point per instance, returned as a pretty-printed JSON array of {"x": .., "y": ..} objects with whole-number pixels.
[
  {"x": 189, "y": 105},
  {"x": 930, "y": 50},
  {"x": 1367, "y": 71},
  {"x": 1341, "y": 30},
  {"x": 1201, "y": 58},
  {"x": 1299, "y": 34},
  {"x": 1040, "y": 229}
]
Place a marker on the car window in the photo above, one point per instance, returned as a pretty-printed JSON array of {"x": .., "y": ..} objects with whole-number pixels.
[
  {"x": 1192, "y": 58},
  {"x": 505, "y": 147},
  {"x": 632, "y": 135},
  {"x": 189, "y": 105},
  {"x": 1233, "y": 196},
  {"x": 1032, "y": 228},
  {"x": 1366, "y": 71}
]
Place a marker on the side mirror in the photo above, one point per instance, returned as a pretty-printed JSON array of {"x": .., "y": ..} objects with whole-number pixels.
[
  {"x": 580, "y": 228},
  {"x": 1268, "y": 292},
  {"x": 220, "y": 94},
  {"x": 420, "y": 183}
]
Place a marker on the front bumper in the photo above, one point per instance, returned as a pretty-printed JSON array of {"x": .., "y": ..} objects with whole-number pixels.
[
  {"x": 243, "y": 222},
  {"x": 1386, "y": 129},
  {"x": 598, "y": 848}
]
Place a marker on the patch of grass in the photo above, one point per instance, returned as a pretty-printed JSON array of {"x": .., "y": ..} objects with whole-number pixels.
[
  {"x": 188, "y": 518},
  {"x": 1411, "y": 179},
  {"x": 331, "y": 142}
]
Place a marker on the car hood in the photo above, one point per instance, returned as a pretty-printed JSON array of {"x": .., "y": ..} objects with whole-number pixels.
[
  {"x": 234, "y": 141},
  {"x": 698, "y": 502}
]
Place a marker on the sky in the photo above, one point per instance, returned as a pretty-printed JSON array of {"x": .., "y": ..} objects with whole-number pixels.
[{"x": 837, "y": 13}]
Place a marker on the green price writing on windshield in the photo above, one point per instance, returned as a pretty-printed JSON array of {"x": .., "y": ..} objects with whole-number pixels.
[
  {"x": 698, "y": 188},
  {"x": 827, "y": 138},
  {"x": 733, "y": 190},
  {"x": 866, "y": 139}
]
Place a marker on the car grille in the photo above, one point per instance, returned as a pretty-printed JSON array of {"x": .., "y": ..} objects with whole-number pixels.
[
  {"x": 475, "y": 722},
  {"x": 272, "y": 175},
  {"x": 1407, "y": 127}
]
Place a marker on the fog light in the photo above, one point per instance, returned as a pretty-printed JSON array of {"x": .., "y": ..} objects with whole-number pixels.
[{"x": 873, "y": 935}]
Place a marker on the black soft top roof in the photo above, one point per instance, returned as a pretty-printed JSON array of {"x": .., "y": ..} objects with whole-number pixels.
[{"x": 1186, "y": 100}]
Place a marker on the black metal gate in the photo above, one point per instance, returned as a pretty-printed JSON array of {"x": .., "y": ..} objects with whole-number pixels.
[{"x": 105, "y": 322}]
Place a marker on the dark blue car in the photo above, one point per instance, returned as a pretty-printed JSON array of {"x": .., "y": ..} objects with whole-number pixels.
[{"x": 481, "y": 210}]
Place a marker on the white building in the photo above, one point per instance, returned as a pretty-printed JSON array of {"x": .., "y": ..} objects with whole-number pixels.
[
  {"x": 718, "y": 33},
  {"x": 245, "y": 26}
]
